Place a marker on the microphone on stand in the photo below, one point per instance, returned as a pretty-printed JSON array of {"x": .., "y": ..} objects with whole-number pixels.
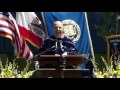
[
  {"x": 50, "y": 39},
  {"x": 45, "y": 51},
  {"x": 61, "y": 46},
  {"x": 56, "y": 44}
]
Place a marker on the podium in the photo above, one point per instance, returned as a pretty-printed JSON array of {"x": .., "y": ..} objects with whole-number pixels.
[{"x": 57, "y": 66}]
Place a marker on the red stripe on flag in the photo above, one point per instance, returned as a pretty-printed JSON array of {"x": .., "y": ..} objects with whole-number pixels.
[
  {"x": 22, "y": 47},
  {"x": 14, "y": 31},
  {"x": 6, "y": 20},
  {"x": 29, "y": 36}
]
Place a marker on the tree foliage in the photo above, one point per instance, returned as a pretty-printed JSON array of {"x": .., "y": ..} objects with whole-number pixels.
[{"x": 108, "y": 25}]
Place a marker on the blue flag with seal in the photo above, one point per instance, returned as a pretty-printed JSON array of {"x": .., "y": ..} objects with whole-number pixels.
[{"x": 75, "y": 27}]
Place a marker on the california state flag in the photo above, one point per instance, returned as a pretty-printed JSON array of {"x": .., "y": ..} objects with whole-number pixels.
[{"x": 29, "y": 26}]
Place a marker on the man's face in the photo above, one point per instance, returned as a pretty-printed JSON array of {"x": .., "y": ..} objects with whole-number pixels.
[{"x": 58, "y": 28}]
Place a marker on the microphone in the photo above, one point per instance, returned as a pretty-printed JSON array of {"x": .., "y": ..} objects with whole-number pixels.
[
  {"x": 61, "y": 45},
  {"x": 44, "y": 51},
  {"x": 59, "y": 48},
  {"x": 56, "y": 46},
  {"x": 50, "y": 39}
]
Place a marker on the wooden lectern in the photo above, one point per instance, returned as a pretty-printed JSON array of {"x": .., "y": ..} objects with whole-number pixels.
[{"x": 56, "y": 66}]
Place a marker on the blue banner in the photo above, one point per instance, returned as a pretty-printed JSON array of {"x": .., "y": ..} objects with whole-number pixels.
[{"x": 76, "y": 28}]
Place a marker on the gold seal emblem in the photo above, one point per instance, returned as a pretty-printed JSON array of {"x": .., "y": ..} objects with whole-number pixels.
[{"x": 71, "y": 30}]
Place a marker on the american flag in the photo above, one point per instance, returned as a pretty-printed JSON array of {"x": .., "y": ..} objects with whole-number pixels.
[{"x": 9, "y": 29}]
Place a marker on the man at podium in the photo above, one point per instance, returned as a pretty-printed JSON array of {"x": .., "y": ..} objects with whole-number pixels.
[{"x": 58, "y": 43}]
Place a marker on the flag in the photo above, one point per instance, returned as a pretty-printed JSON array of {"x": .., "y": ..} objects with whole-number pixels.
[
  {"x": 75, "y": 27},
  {"x": 9, "y": 29},
  {"x": 30, "y": 28}
]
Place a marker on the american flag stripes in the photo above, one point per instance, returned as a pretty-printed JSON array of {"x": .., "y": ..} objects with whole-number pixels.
[{"x": 9, "y": 29}]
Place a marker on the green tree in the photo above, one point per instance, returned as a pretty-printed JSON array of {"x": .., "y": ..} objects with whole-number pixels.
[{"x": 109, "y": 24}]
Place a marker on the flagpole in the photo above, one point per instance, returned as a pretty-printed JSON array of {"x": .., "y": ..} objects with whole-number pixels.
[
  {"x": 44, "y": 24},
  {"x": 89, "y": 36}
]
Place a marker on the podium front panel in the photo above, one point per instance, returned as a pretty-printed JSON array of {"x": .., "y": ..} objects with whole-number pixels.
[
  {"x": 54, "y": 60},
  {"x": 65, "y": 73}
]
